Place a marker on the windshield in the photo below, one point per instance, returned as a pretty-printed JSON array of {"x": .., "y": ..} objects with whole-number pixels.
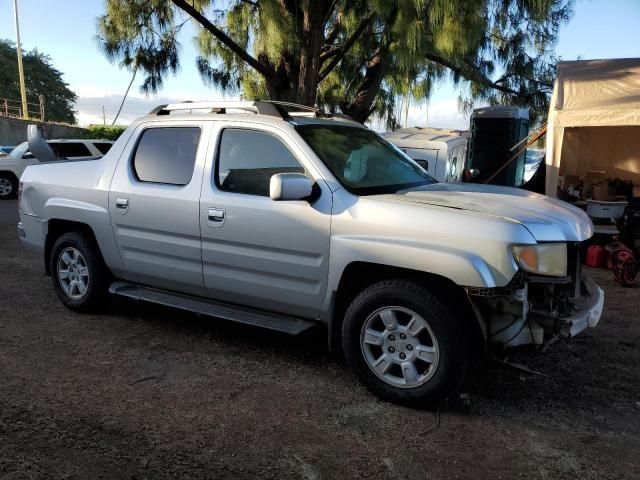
[{"x": 363, "y": 162}]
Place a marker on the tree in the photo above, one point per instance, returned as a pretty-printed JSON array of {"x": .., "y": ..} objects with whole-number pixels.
[
  {"x": 353, "y": 55},
  {"x": 108, "y": 132},
  {"x": 41, "y": 78}
]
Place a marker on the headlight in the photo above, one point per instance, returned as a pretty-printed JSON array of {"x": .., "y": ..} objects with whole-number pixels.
[{"x": 544, "y": 258}]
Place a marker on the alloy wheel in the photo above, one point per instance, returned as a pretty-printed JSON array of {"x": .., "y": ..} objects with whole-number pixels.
[
  {"x": 399, "y": 347},
  {"x": 73, "y": 273},
  {"x": 6, "y": 187}
]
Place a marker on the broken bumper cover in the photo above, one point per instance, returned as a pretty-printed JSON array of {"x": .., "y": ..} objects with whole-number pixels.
[{"x": 587, "y": 313}]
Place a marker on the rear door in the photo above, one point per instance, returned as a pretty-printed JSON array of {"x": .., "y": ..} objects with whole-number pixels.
[
  {"x": 154, "y": 205},
  {"x": 266, "y": 254}
]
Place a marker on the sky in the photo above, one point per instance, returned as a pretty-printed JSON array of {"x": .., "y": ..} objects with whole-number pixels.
[{"x": 65, "y": 30}]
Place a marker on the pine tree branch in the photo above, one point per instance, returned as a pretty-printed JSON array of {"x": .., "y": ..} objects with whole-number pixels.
[
  {"x": 471, "y": 73},
  {"x": 347, "y": 45},
  {"x": 533, "y": 80},
  {"x": 224, "y": 38}
]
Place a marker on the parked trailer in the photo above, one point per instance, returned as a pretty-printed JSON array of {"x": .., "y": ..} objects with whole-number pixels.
[{"x": 442, "y": 152}]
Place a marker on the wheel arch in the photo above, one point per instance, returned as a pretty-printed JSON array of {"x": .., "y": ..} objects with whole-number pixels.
[
  {"x": 358, "y": 275},
  {"x": 9, "y": 173},
  {"x": 57, "y": 227}
]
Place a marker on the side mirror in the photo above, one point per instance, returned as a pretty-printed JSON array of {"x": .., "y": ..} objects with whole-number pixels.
[{"x": 290, "y": 186}]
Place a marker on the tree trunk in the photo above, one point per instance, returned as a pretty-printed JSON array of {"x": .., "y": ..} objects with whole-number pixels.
[
  {"x": 312, "y": 38},
  {"x": 361, "y": 107},
  {"x": 281, "y": 86}
]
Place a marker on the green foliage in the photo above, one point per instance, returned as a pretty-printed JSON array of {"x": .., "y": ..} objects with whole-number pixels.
[
  {"x": 356, "y": 56},
  {"x": 105, "y": 132},
  {"x": 41, "y": 78}
]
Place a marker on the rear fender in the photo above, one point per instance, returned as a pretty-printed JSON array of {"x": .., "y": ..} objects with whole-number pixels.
[{"x": 95, "y": 217}]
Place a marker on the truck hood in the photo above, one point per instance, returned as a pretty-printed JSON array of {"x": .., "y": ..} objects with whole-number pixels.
[{"x": 548, "y": 219}]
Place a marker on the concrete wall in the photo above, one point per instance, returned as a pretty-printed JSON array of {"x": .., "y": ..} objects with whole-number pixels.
[{"x": 13, "y": 131}]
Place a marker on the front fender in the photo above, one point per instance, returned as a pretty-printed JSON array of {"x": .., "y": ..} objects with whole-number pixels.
[{"x": 463, "y": 267}]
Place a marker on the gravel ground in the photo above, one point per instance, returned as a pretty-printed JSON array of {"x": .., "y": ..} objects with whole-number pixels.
[{"x": 149, "y": 392}]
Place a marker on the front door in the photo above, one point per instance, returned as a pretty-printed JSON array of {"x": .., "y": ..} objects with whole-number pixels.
[
  {"x": 154, "y": 206},
  {"x": 267, "y": 254}
]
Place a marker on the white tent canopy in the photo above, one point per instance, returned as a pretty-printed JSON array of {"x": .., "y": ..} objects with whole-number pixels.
[{"x": 594, "y": 120}]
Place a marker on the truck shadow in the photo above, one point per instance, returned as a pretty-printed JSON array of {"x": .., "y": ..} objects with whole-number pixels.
[{"x": 564, "y": 388}]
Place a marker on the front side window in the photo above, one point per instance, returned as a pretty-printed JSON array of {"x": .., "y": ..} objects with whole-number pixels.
[
  {"x": 362, "y": 161},
  {"x": 247, "y": 159},
  {"x": 166, "y": 155}
]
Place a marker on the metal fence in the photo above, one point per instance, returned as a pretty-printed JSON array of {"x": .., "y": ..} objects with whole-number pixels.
[{"x": 13, "y": 108}]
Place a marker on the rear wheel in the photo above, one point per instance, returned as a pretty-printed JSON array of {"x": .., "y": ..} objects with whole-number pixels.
[
  {"x": 404, "y": 344},
  {"x": 79, "y": 275},
  {"x": 8, "y": 186}
]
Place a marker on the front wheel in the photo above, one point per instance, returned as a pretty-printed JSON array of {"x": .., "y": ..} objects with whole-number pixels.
[
  {"x": 403, "y": 344},
  {"x": 79, "y": 275}
]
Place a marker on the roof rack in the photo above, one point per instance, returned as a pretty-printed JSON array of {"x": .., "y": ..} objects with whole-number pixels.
[{"x": 284, "y": 110}]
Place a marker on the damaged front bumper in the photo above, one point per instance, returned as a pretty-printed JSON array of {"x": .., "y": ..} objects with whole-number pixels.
[
  {"x": 533, "y": 308},
  {"x": 586, "y": 314}
]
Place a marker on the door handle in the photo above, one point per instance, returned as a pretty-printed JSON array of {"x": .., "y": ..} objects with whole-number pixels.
[
  {"x": 122, "y": 204},
  {"x": 216, "y": 215}
]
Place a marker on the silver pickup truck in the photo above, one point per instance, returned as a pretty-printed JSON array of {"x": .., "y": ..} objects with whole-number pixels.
[{"x": 274, "y": 215}]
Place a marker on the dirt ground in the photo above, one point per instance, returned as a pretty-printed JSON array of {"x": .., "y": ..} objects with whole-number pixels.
[{"x": 149, "y": 392}]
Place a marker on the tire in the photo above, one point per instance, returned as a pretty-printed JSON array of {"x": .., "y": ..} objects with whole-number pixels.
[
  {"x": 95, "y": 278},
  {"x": 435, "y": 342},
  {"x": 8, "y": 186}
]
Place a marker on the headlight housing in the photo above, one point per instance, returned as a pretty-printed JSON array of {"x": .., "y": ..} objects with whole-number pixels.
[{"x": 543, "y": 258}]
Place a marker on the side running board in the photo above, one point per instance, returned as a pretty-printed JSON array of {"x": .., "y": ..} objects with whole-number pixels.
[{"x": 258, "y": 318}]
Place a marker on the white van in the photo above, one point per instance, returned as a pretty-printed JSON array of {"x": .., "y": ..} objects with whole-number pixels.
[{"x": 442, "y": 152}]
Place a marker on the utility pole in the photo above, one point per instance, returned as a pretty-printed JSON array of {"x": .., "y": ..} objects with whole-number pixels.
[
  {"x": 41, "y": 101},
  {"x": 104, "y": 118},
  {"x": 23, "y": 91},
  {"x": 427, "y": 122},
  {"x": 407, "y": 99}
]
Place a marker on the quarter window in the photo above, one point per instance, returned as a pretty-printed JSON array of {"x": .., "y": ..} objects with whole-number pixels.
[
  {"x": 166, "y": 155},
  {"x": 247, "y": 159}
]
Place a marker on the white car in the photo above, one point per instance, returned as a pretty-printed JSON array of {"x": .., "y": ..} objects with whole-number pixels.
[{"x": 12, "y": 166}]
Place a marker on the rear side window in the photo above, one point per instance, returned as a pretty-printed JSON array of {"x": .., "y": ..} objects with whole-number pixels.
[
  {"x": 70, "y": 149},
  {"x": 104, "y": 147},
  {"x": 166, "y": 155},
  {"x": 247, "y": 159}
]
